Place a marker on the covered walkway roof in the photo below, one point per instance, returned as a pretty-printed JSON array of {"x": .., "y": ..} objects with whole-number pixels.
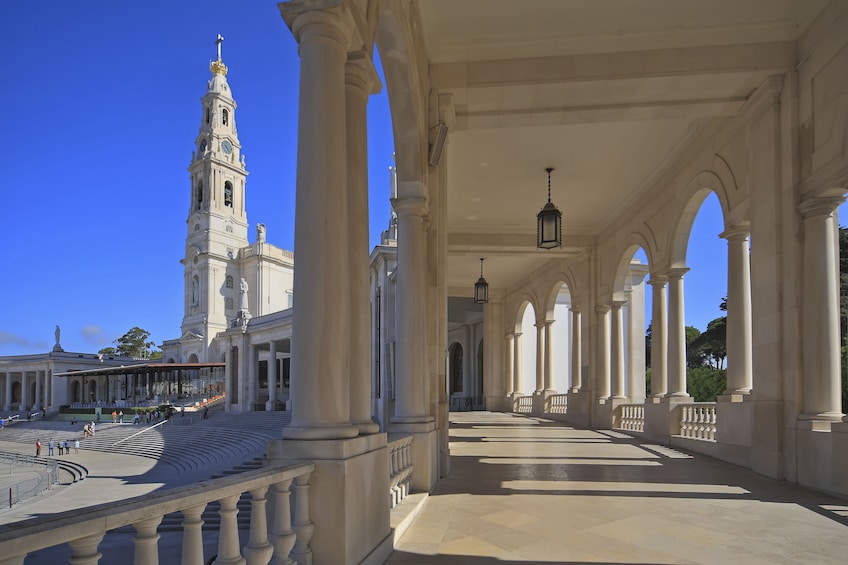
[{"x": 141, "y": 368}]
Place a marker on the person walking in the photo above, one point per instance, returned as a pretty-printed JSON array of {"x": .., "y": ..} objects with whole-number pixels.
[
  {"x": 50, "y": 445},
  {"x": 76, "y": 445},
  {"x": 38, "y": 448},
  {"x": 121, "y": 417}
]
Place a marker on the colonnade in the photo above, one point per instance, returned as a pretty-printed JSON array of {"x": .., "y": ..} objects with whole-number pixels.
[{"x": 36, "y": 388}]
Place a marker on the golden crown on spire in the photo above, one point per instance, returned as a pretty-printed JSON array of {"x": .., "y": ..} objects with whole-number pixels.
[{"x": 217, "y": 66}]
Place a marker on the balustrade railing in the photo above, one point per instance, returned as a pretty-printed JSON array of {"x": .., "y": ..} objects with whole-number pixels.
[
  {"x": 556, "y": 404},
  {"x": 400, "y": 467},
  {"x": 698, "y": 421},
  {"x": 523, "y": 405},
  {"x": 284, "y": 537},
  {"x": 632, "y": 417}
]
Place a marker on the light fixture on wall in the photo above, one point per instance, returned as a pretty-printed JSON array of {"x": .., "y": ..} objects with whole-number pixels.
[
  {"x": 549, "y": 223},
  {"x": 481, "y": 288}
]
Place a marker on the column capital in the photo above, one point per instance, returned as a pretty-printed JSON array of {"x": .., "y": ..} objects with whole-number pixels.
[
  {"x": 300, "y": 14},
  {"x": 602, "y": 308},
  {"x": 548, "y": 323},
  {"x": 508, "y": 336},
  {"x": 517, "y": 334},
  {"x": 677, "y": 272},
  {"x": 617, "y": 304},
  {"x": 405, "y": 207},
  {"x": 820, "y": 206},
  {"x": 360, "y": 72},
  {"x": 739, "y": 231}
]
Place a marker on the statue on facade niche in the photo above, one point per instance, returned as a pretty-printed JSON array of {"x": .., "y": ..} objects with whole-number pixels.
[{"x": 243, "y": 316}]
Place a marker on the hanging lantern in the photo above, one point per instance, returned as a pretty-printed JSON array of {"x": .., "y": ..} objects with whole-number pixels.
[
  {"x": 549, "y": 223},
  {"x": 481, "y": 288}
]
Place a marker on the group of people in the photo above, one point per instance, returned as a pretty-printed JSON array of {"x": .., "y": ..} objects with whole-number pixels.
[
  {"x": 63, "y": 445},
  {"x": 88, "y": 430},
  {"x": 117, "y": 417}
]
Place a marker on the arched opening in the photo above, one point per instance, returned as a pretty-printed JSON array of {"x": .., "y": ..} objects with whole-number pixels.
[
  {"x": 228, "y": 194},
  {"x": 92, "y": 391},
  {"x": 225, "y": 117},
  {"x": 630, "y": 294},
  {"x": 456, "y": 373},
  {"x": 705, "y": 312},
  {"x": 199, "y": 200},
  {"x": 527, "y": 374},
  {"x": 16, "y": 392},
  {"x": 76, "y": 392}
]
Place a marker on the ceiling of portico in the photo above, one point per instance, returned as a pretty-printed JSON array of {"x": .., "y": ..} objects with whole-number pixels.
[{"x": 605, "y": 91}]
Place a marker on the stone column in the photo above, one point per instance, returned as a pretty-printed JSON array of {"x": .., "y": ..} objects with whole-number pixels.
[
  {"x": 411, "y": 392},
  {"x": 516, "y": 362},
  {"x": 24, "y": 391},
  {"x": 659, "y": 339},
  {"x": 7, "y": 391},
  {"x": 272, "y": 377},
  {"x": 510, "y": 383},
  {"x": 39, "y": 391},
  {"x": 540, "y": 357},
  {"x": 822, "y": 396},
  {"x": 617, "y": 349},
  {"x": 549, "y": 358},
  {"x": 252, "y": 375},
  {"x": 602, "y": 389},
  {"x": 676, "y": 334},
  {"x": 576, "y": 350},
  {"x": 360, "y": 81},
  {"x": 739, "y": 337},
  {"x": 320, "y": 389},
  {"x": 48, "y": 383}
]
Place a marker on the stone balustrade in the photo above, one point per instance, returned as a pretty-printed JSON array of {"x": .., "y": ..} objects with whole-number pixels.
[
  {"x": 556, "y": 404},
  {"x": 284, "y": 536},
  {"x": 400, "y": 467},
  {"x": 632, "y": 417},
  {"x": 698, "y": 421},
  {"x": 523, "y": 405}
]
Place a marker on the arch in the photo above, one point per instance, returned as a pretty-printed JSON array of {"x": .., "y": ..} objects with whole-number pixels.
[
  {"x": 622, "y": 270},
  {"x": 199, "y": 201},
  {"x": 76, "y": 392},
  {"x": 92, "y": 391},
  {"x": 225, "y": 117},
  {"x": 193, "y": 358},
  {"x": 526, "y": 327},
  {"x": 16, "y": 391},
  {"x": 561, "y": 279},
  {"x": 697, "y": 190},
  {"x": 397, "y": 46},
  {"x": 455, "y": 355},
  {"x": 228, "y": 194}
]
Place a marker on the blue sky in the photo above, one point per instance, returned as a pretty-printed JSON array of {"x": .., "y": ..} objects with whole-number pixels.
[{"x": 102, "y": 102}]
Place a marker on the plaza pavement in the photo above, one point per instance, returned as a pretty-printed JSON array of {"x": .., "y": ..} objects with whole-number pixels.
[{"x": 534, "y": 491}]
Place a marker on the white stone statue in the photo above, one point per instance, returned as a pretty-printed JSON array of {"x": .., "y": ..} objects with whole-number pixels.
[
  {"x": 243, "y": 298},
  {"x": 260, "y": 233}
]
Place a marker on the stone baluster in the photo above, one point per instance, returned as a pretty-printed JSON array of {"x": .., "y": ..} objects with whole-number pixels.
[
  {"x": 146, "y": 541},
  {"x": 228, "y": 536},
  {"x": 303, "y": 526},
  {"x": 193, "y": 535},
  {"x": 84, "y": 550},
  {"x": 282, "y": 537},
  {"x": 258, "y": 550}
]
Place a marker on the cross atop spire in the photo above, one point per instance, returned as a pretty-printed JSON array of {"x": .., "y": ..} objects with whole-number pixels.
[{"x": 217, "y": 66}]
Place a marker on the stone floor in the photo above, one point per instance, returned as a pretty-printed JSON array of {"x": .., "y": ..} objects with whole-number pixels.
[{"x": 529, "y": 490}]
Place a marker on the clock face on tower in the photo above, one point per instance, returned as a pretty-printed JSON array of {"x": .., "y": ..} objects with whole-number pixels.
[{"x": 226, "y": 147}]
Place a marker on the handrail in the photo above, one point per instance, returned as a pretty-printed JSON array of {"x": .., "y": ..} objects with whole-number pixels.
[{"x": 77, "y": 527}]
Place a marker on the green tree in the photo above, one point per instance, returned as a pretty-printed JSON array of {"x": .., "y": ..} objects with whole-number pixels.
[
  {"x": 135, "y": 343},
  {"x": 705, "y": 384},
  {"x": 108, "y": 351},
  {"x": 713, "y": 343},
  {"x": 694, "y": 355},
  {"x": 648, "y": 345}
]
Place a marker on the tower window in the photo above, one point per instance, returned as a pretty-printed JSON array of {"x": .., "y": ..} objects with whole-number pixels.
[
  {"x": 199, "y": 193},
  {"x": 228, "y": 194},
  {"x": 207, "y": 114},
  {"x": 196, "y": 227},
  {"x": 225, "y": 116},
  {"x": 229, "y": 281}
]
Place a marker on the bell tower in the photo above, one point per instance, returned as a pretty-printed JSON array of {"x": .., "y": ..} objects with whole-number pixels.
[{"x": 217, "y": 220}]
